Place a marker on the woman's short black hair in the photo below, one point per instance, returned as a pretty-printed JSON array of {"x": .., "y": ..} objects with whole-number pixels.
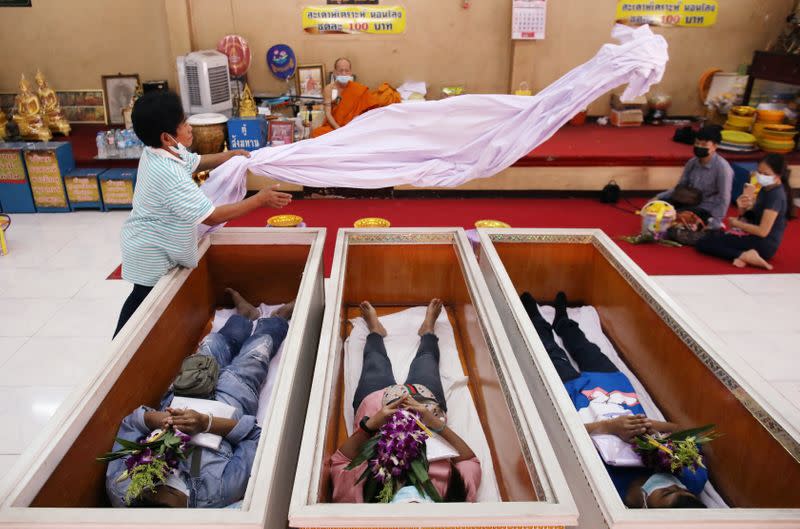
[{"x": 156, "y": 112}]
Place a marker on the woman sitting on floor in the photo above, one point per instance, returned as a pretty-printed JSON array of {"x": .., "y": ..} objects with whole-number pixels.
[
  {"x": 378, "y": 397},
  {"x": 762, "y": 219},
  {"x": 637, "y": 486}
]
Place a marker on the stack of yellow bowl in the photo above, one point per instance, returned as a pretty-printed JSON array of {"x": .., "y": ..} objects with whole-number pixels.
[
  {"x": 737, "y": 141},
  {"x": 777, "y": 138},
  {"x": 767, "y": 117},
  {"x": 740, "y": 118}
]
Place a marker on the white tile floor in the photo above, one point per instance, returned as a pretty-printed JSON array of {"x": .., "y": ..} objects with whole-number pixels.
[{"x": 58, "y": 312}]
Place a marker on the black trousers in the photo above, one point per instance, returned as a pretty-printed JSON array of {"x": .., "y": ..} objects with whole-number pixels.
[
  {"x": 587, "y": 355},
  {"x": 376, "y": 373},
  {"x": 730, "y": 246},
  {"x": 131, "y": 304}
]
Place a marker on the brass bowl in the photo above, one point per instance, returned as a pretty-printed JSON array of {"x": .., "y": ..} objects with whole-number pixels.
[
  {"x": 371, "y": 222},
  {"x": 744, "y": 111},
  {"x": 490, "y": 223},
  {"x": 284, "y": 221}
]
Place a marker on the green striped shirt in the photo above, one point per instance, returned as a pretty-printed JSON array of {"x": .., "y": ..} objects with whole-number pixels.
[{"x": 161, "y": 232}]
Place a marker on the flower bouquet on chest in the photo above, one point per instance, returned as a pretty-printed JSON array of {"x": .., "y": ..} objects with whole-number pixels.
[
  {"x": 149, "y": 460},
  {"x": 674, "y": 452},
  {"x": 396, "y": 456}
]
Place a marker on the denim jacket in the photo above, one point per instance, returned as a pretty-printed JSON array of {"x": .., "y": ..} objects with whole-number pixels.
[{"x": 224, "y": 472}]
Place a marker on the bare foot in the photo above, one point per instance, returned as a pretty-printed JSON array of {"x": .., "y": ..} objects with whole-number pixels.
[
  {"x": 738, "y": 263},
  {"x": 284, "y": 311},
  {"x": 434, "y": 309},
  {"x": 752, "y": 258},
  {"x": 371, "y": 317},
  {"x": 243, "y": 307}
]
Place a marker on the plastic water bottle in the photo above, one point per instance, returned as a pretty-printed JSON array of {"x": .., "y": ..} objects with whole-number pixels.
[
  {"x": 111, "y": 144},
  {"x": 119, "y": 138},
  {"x": 100, "y": 141}
]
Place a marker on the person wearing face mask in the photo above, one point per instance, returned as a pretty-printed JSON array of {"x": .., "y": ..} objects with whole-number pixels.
[
  {"x": 705, "y": 185},
  {"x": 345, "y": 99},
  {"x": 607, "y": 404},
  {"x": 761, "y": 221},
  {"x": 161, "y": 231}
]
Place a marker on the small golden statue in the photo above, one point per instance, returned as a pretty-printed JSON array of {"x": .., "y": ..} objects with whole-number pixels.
[
  {"x": 247, "y": 105},
  {"x": 51, "y": 109},
  {"x": 3, "y": 123},
  {"x": 27, "y": 115}
]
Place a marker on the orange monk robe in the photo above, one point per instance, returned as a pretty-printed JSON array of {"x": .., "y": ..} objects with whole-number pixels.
[{"x": 356, "y": 99}]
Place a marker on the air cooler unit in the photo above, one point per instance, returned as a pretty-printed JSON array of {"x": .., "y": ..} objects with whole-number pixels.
[{"x": 205, "y": 84}]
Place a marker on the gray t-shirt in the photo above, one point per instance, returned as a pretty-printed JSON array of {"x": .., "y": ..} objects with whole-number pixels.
[
  {"x": 774, "y": 199},
  {"x": 713, "y": 180}
]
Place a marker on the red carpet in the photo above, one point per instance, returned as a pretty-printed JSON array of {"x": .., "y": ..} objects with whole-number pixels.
[
  {"x": 592, "y": 144},
  {"x": 540, "y": 213},
  {"x": 520, "y": 213}
]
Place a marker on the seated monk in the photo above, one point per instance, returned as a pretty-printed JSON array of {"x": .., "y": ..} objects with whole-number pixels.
[
  {"x": 344, "y": 99},
  {"x": 638, "y": 487}
]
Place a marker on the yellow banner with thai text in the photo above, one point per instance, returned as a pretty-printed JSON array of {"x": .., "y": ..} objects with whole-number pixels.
[
  {"x": 384, "y": 20},
  {"x": 681, "y": 13}
]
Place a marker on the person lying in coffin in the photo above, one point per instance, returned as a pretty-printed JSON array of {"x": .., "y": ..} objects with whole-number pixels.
[
  {"x": 639, "y": 487},
  {"x": 206, "y": 477},
  {"x": 380, "y": 461}
]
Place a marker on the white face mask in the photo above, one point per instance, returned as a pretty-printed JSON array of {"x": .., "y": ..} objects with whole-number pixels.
[
  {"x": 661, "y": 480},
  {"x": 410, "y": 494},
  {"x": 178, "y": 149},
  {"x": 344, "y": 79},
  {"x": 765, "y": 179}
]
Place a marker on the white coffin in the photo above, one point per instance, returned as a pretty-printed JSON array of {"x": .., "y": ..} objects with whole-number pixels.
[
  {"x": 57, "y": 483},
  {"x": 396, "y": 268},
  {"x": 754, "y": 466}
]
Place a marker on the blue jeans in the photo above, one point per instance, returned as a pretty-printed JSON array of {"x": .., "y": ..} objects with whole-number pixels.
[
  {"x": 376, "y": 373},
  {"x": 244, "y": 359}
]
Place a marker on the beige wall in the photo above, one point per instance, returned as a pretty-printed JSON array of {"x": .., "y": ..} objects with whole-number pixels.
[
  {"x": 74, "y": 42},
  {"x": 577, "y": 28},
  {"x": 77, "y": 41},
  {"x": 443, "y": 44}
]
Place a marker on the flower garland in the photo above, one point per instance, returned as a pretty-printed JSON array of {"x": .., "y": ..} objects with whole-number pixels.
[
  {"x": 674, "y": 452},
  {"x": 395, "y": 453},
  {"x": 149, "y": 460}
]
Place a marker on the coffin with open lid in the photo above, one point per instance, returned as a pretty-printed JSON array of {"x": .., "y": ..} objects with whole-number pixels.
[
  {"x": 400, "y": 268},
  {"x": 58, "y": 483},
  {"x": 754, "y": 466}
]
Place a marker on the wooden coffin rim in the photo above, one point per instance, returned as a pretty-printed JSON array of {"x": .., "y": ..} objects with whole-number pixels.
[
  {"x": 34, "y": 466},
  {"x": 559, "y": 509},
  {"x": 685, "y": 326}
]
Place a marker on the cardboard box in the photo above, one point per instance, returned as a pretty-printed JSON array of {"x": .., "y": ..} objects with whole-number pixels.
[
  {"x": 637, "y": 103},
  {"x": 627, "y": 118}
]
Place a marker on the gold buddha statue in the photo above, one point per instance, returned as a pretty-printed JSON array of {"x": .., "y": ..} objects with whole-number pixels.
[
  {"x": 27, "y": 115},
  {"x": 3, "y": 123},
  {"x": 51, "y": 109},
  {"x": 247, "y": 105}
]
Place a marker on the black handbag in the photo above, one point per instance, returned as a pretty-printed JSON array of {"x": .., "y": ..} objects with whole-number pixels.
[{"x": 610, "y": 193}]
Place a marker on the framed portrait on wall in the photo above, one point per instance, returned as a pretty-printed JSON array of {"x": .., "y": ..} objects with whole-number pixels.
[
  {"x": 310, "y": 80},
  {"x": 281, "y": 132},
  {"x": 119, "y": 90},
  {"x": 83, "y": 106}
]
